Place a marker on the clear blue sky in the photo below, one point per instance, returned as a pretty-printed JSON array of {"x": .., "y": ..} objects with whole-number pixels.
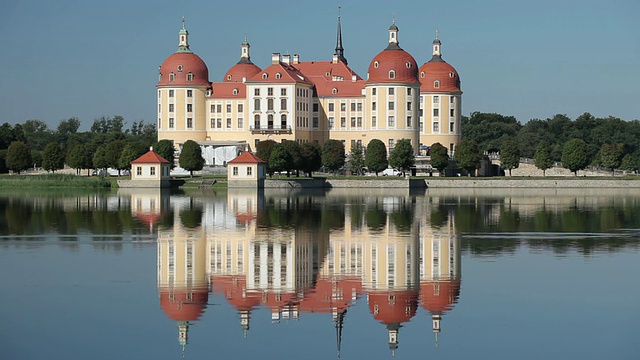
[{"x": 527, "y": 59}]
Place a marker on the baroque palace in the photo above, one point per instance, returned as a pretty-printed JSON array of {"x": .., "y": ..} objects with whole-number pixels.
[{"x": 309, "y": 101}]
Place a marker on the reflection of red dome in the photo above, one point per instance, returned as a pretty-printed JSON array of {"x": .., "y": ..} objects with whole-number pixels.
[
  {"x": 234, "y": 289},
  {"x": 181, "y": 64},
  {"x": 244, "y": 218},
  {"x": 393, "y": 306},
  {"x": 181, "y": 307},
  {"x": 274, "y": 300},
  {"x": 439, "y": 70},
  {"x": 149, "y": 219},
  {"x": 398, "y": 60},
  {"x": 439, "y": 296},
  {"x": 245, "y": 69},
  {"x": 331, "y": 294}
]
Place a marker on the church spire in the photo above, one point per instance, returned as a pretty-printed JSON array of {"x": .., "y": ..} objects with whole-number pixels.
[
  {"x": 338, "y": 319},
  {"x": 436, "y": 48},
  {"x": 339, "y": 49},
  {"x": 245, "y": 57},
  {"x": 183, "y": 39}
]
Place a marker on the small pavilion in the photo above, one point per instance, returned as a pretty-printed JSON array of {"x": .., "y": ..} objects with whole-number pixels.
[{"x": 246, "y": 170}]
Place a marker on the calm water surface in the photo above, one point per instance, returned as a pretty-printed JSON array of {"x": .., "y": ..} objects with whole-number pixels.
[{"x": 447, "y": 274}]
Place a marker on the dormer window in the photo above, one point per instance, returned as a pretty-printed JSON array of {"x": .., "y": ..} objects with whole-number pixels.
[
  {"x": 235, "y": 91},
  {"x": 422, "y": 74},
  {"x": 179, "y": 68},
  {"x": 328, "y": 73},
  {"x": 159, "y": 77},
  {"x": 265, "y": 76},
  {"x": 172, "y": 77},
  {"x": 208, "y": 92},
  {"x": 408, "y": 64},
  {"x": 436, "y": 84},
  {"x": 452, "y": 75},
  {"x": 229, "y": 77},
  {"x": 190, "y": 77},
  {"x": 392, "y": 74},
  {"x": 334, "y": 91},
  {"x": 278, "y": 76},
  {"x": 376, "y": 64}
]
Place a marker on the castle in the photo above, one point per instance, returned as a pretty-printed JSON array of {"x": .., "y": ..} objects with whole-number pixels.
[{"x": 310, "y": 101}]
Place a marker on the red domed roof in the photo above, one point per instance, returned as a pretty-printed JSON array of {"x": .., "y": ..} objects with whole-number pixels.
[
  {"x": 393, "y": 306},
  {"x": 330, "y": 294},
  {"x": 438, "y": 70},
  {"x": 439, "y": 296},
  {"x": 181, "y": 64},
  {"x": 179, "y": 307},
  {"x": 242, "y": 70},
  {"x": 234, "y": 289},
  {"x": 398, "y": 60}
]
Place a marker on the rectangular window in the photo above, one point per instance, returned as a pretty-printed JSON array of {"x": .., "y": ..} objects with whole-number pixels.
[
  {"x": 343, "y": 122},
  {"x": 392, "y": 105},
  {"x": 153, "y": 170},
  {"x": 359, "y": 106},
  {"x": 256, "y": 104},
  {"x": 159, "y": 123},
  {"x": 139, "y": 170},
  {"x": 283, "y": 92},
  {"x": 189, "y": 123},
  {"x": 189, "y": 107},
  {"x": 189, "y": 93},
  {"x": 315, "y": 121},
  {"x": 451, "y": 99},
  {"x": 421, "y": 126},
  {"x": 171, "y": 124},
  {"x": 343, "y": 106},
  {"x": 235, "y": 171},
  {"x": 283, "y": 104},
  {"x": 213, "y": 123},
  {"x": 170, "y": 93},
  {"x": 409, "y": 104},
  {"x": 240, "y": 123},
  {"x": 452, "y": 112},
  {"x": 269, "y": 104},
  {"x": 373, "y": 91},
  {"x": 256, "y": 92},
  {"x": 374, "y": 122},
  {"x": 436, "y": 112},
  {"x": 219, "y": 108},
  {"x": 374, "y": 106},
  {"x": 171, "y": 107},
  {"x": 228, "y": 123},
  {"x": 249, "y": 171},
  {"x": 219, "y": 123},
  {"x": 353, "y": 122},
  {"x": 330, "y": 106},
  {"x": 228, "y": 108},
  {"x": 353, "y": 144},
  {"x": 331, "y": 123},
  {"x": 452, "y": 127},
  {"x": 436, "y": 127},
  {"x": 408, "y": 121},
  {"x": 240, "y": 108},
  {"x": 315, "y": 107},
  {"x": 359, "y": 123},
  {"x": 392, "y": 121},
  {"x": 270, "y": 91},
  {"x": 353, "y": 106},
  {"x": 408, "y": 91},
  {"x": 436, "y": 99},
  {"x": 392, "y": 144},
  {"x": 213, "y": 109},
  {"x": 392, "y": 91}
]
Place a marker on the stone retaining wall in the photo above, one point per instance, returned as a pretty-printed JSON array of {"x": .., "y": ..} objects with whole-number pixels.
[
  {"x": 533, "y": 183},
  {"x": 401, "y": 183},
  {"x": 143, "y": 183}
]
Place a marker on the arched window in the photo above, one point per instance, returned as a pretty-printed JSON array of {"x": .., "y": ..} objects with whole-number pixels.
[
  {"x": 408, "y": 64},
  {"x": 452, "y": 74},
  {"x": 269, "y": 121},
  {"x": 392, "y": 74},
  {"x": 265, "y": 76},
  {"x": 172, "y": 76},
  {"x": 256, "y": 122},
  {"x": 190, "y": 77},
  {"x": 334, "y": 91},
  {"x": 159, "y": 77},
  {"x": 278, "y": 75},
  {"x": 283, "y": 121},
  {"x": 229, "y": 77},
  {"x": 235, "y": 91},
  {"x": 436, "y": 84},
  {"x": 376, "y": 64},
  {"x": 422, "y": 74}
]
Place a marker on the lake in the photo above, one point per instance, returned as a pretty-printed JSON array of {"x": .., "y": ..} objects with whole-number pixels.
[{"x": 321, "y": 274}]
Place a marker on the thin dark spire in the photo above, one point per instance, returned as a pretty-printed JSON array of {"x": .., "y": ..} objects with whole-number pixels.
[{"x": 339, "y": 48}]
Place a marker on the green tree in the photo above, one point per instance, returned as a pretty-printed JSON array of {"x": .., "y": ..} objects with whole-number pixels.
[
  {"x": 610, "y": 157},
  {"x": 18, "y": 157},
  {"x": 52, "y": 157},
  {"x": 439, "y": 156},
  {"x": 293, "y": 148},
  {"x": 311, "y": 157},
  {"x": 356, "y": 159},
  {"x": 100, "y": 158},
  {"x": 280, "y": 159},
  {"x": 333, "y": 155},
  {"x": 402, "y": 156},
  {"x": 128, "y": 154},
  {"x": 112, "y": 153},
  {"x": 509, "y": 155},
  {"x": 3, "y": 162},
  {"x": 575, "y": 155},
  {"x": 36, "y": 157},
  {"x": 80, "y": 157},
  {"x": 488, "y": 130},
  {"x": 376, "y": 157},
  {"x": 191, "y": 157},
  {"x": 165, "y": 149},
  {"x": 543, "y": 159},
  {"x": 263, "y": 151},
  {"x": 467, "y": 155},
  {"x": 68, "y": 127},
  {"x": 631, "y": 162}
]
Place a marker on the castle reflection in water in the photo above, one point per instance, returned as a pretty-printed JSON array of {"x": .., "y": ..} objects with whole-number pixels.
[{"x": 291, "y": 254}]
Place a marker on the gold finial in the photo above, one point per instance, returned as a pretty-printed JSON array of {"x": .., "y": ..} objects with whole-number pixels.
[
  {"x": 339, "y": 12},
  {"x": 437, "y": 33}
]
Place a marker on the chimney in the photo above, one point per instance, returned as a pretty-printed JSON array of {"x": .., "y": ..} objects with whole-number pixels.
[
  {"x": 275, "y": 58},
  {"x": 296, "y": 58},
  {"x": 286, "y": 59},
  {"x": 335, "y": 59}
]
